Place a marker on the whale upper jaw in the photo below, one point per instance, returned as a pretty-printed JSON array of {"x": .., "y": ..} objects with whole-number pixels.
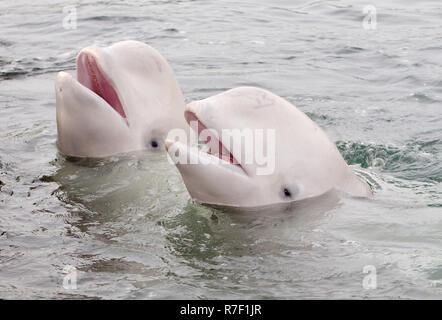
[{"x": 90, "y": 74}]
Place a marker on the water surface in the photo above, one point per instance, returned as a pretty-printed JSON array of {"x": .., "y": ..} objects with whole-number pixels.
[{"x": 127, "y": 223}]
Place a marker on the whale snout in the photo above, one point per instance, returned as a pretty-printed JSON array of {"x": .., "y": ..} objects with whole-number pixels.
[{"x": 63, "y": 79}]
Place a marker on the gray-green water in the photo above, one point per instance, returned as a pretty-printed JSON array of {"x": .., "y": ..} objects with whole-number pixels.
[{"x": 127, "y": 224}]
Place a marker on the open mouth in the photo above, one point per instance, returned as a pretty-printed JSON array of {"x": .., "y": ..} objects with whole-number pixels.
[
  {"x": 92, "y": 77},
  {"x": 214, "y": 146}
]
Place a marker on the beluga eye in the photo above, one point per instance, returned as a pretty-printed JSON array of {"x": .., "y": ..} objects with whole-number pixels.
[
  {"x": 289, "y": 192},
  {"x": 154, "y": 144}
]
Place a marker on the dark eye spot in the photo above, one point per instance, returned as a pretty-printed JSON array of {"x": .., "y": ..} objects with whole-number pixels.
[
  {"x": 154, "y": 144},
  {"x": 287, "y": 193}
]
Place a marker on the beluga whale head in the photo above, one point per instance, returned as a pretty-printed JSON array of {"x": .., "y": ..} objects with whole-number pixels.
[
  {"x": 258, "y": 150},
  {"x": 125, "y": 98}
]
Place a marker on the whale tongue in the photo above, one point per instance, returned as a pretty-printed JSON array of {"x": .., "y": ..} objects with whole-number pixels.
[
  {"x": 90, "y": 76},
  {"x": 215, "y": 147}
]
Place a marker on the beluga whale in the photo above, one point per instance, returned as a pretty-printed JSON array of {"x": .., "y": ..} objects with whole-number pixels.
[
  {"x": 256, "y": 150},
  {"x": 125, "y": 98}
]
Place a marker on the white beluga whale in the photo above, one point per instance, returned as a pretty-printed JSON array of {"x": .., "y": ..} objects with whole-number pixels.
[
  {"x": 260, "y": 150},
  {"x": 125, "y": 98}
]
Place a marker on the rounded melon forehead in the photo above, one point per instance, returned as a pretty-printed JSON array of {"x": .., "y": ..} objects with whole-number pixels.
[
  {"x": 247, "y": 107},
  {"x": 132, "y": 57}
]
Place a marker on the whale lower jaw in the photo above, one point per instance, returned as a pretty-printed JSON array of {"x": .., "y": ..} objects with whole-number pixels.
[
  {"x": 192, "y": 155},
  {"x": 83, "y": 119}
]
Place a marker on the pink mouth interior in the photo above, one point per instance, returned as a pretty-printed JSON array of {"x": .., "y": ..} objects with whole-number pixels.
[
  {"x": 90, "y": 76},
  {"x": 215, "y": 146}
]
